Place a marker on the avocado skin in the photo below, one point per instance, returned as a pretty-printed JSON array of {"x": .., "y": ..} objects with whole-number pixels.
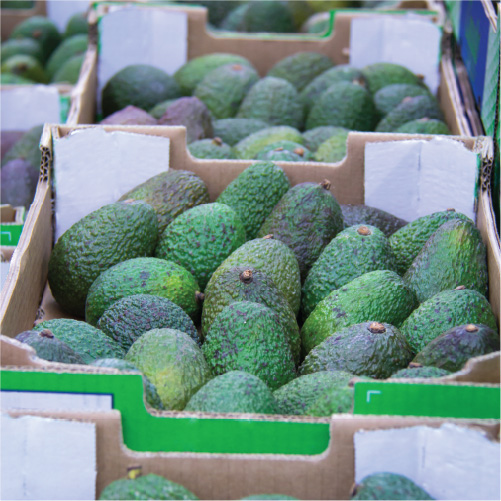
[
  {"x": 170, "y": 193},
  {"x": 90, "y": 343},
  {"x": 347, "y": 256},
  {"x": 250, "y": 337},
  {"x": 254, "y": 193},
  {"x": 365, "y": 214},
  {"x": 408, "y": 241},
  {"x": 234, "y": 391},
  {"x": 313, "y": 138},
  {"x": 28, "y": 46},
  {"x": 130, "y": 115},
  {"x": 389, "y": 97},
  {"x": 378, "y": 295},
  {"x": 50, "y": 348},
  {"x": 25, "y": 66},
  {"x": 337, "y": 400},
  {"x": 443, "y": 311},
  {"x": 285, "y": 150},
  {"x": 149, "y": 486},
  {"x": 306, "y": 219},
  {"x": 209, "y": 148},
  {"x": 131, "y": 316},
  {"x": 233, "y": 130},
  {"x": 272, "y": 257},
  {"x": 147, "y": 275},
  {"x": 357, "y": 350},
  {"x": 111, "y": 234},
  {"x": 454, "y": 255},
  {"x": 334, "y": 149},
  {"x": 77, "y": 44},
  {"x": 452, "y": 349},
  {"x": 424, "y": 126},
  {"x": 388, "y": 486},
  {"x": 18, "y": 183},
  {"x": 420, "y": 372},
  {"x": 69, "y": 72},
  {"x": 379, "y": 75},
  {"x": 228, "y": 288},
  {"x": 201, "y": 238},
  {"x": 27, "y": 148}
]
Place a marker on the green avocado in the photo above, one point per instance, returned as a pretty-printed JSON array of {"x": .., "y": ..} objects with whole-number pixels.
[
  {"x": 18, "y": 183},
  {"x": 271, "y": 16},
  {"x": 336, "y": 400},
  {"x": 313, "y": 138},
  {"x": 159, "y": 109},
  {"x": 27, "y": 148},
  {"x": 333, "y": 149},
  {"x": 424, "y": 126},
  {"x": 10, "y": 79},
  {"x": 68, "y": 48},
  {"x": 233, "y": 130},
  {"x": 416, "y": 370},
  {"x": 26, "y": 46},
  {"x": 379, "y": 75},
  {"x": 25, "y": 66},
  {"x": 248, "y": 336},
  {"x": 365, "y": 214},
  {"x": 389, "y": 97},
  {"x": 69, "y": 72},
  {"x": 210, "y": 148},
  {"x": 286, "y": 151},
  {"x": 77, "y": 24}
]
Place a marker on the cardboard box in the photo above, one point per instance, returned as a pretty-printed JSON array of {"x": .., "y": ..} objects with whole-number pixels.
[
  {"x": 12, "y": 17},
  {"x": 11, "y": 224}
]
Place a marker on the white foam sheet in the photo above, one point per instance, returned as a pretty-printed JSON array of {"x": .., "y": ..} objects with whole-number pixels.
[
  {"x": 411, "y": 179},
  {"x": 47, "y": 459},
  {"x": 410, "y": 40},
  {"x": 450, "y": 462},
  {"x": 93, "y": 168},
  {"x": 60, "y": 11},
  {"x": 139, "y": 35},
  {"x": 42, "y": 101}
]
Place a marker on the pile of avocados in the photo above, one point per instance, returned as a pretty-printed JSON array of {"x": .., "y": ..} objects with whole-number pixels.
[
  {"x": 301, "y": 110},
  {"x": 271, "y": 299}
]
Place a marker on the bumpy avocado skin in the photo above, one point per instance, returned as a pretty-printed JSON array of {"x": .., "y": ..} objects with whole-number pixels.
[
  {"x": 27, "y": 148},
  {"x": 201, "y": 238},
  {"x": 388, "y": 486},
  {"x": 380, "y": 75},
  {"x": 306, "y": 219},
  {"x": 90, "y": 343},
  {"x": 410, "y": 239},
  {"x": 424, "y": 126},
  {"x": 452, "y": 349},
  {"x": 272, "y": 257},
  {"x": 145, "y": 487},
  {"x": 389, "y": 97},
  {"x": 249, "y": 337},
  {"x": 114, "y": 233},
  {"x": 233, "y": 130},
  {"x": 231, "y": 286},
  {"x": 234, "y": 391},
  {"x": 443, "y": 311},
  {"x": 147, "y": 275},
  {"x": 170, "y": 193},
  {"x": 210, "y": 148},
  {"x": 131, "y": 316},
  {"x": 353, "y": 252},
  {"x": 381, "y": 296},
  {"x": 254, "y": 193},
  {"x": 358, "y": 350},
  {"x": 337, "y": 400},
  {"x": 420, "y": 372},
  {"x": 290, "y": 151},
  {"x": 454, "y": 255},
  {"x": 365, "y": 214},
  {"x": 313, "y": 138},
  {"x": 333, "y": 149},
  {"x": 173, "y": 362}
]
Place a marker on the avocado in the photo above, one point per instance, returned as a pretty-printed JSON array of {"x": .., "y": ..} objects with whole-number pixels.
[
  {"x": 73, "y": 46},
  {"x": 90, "y": 343},
  {"x": 248, "y": 336},
  {"x": 48, "y": 347},
  {"x": 443, "y": 311},
  {"x": 353, "y": 252},
  {"x": 408, "y": 241},
  {"x": 301, "y": 68},
  {"x": 10, "y": 79},
  {"x": 18, "y": 183},
  {"x": 379, "y": 75},
  {"x": 223, "y": 89},
  {"x": 25, "y": 66},
  {"x": 378, "y": 295},
  {"x": 69, "y": 72},
  {"x": 201, "y": 238},
  {"x": 272, "y": 257},
  {"x": 111, "y": 234},
  {"x": 244, "y": 283},
  {"x": 267, "y": 496},
  {"x": 170, "y": 193},
  {"x": 254, "y": 193},
  {"x": 150, "y": 392},
  {"x": 388, "y": 486},
  {"x": 195, "y": 70},
  {"x": 141, "y": 85},
  {"x": 173, "y": 362},
  {"x": 365, "y": 214},
  {"x": 234, "y": 391},
  {"x": 343, "y": 104},
  {"x": 27, "y": 148},
  {"x": 313, "y": 138},
  {"x": 210, "y": 148},
  {"x": 159, "y": 109},
  {"x": 217, "y": 9},
  {"x": 234, "y": 20},
  {"x": 454, "y": 255},
  {"x": 271, "y": 16},
  {"x": 143, "y": 275},
  {"x": 424, "y": 126},
  {"x": 306, "y": 219},
  {"x": 145, "y": 487},
  {"x": 192, "y": 114},
  {"x": 333, "y": 149},
  {"x": 336, "y": 400},
  {"x": 130, "y": 115},
  {"x": 286, "y": 151},
  {"x": 126, "y": 319},
  {"x": 296, "y": 397},
  {"x": 76, "y": 24},
  {"x": 411, "y": 108},
  {"x": 273, "y": 100},
  {"x": 41, "y": 29},
  {"x": 452, "y": 349},
  {"x": 233, "y": 130},
  {"x": 317, "y": 23},
  {"x": 26, "y": 46},
  {"x": 416, "y": 370},
  {"x": 251, "y": 145},
  {"x": 389, "y": 97}
]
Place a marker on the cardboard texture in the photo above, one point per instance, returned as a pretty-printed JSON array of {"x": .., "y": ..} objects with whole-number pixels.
[{"x": 12, "y": 17}]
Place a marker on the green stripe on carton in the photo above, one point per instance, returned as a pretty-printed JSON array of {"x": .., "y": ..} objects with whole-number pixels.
[
  {"x": 491, "y": 83},
  {"x": 10, "y": 234},
  {"x": 431, "y": 400},
  {"x": 145, "y": 432}
]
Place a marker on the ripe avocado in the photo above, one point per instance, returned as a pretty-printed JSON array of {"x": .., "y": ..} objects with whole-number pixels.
[
  {"x": 18, "y": 183},
  {"x": 25, "y": 66},
  {"x": 73, "y": 46},
  {"x": 173, "y": 362},
  {"x": 249, "y": 337},
  {"x": 389, "y": 97},
  {"x": 379, "y": 75},
  {"x": 130, "y": 115},
  {"x": 233, "y": 130},
  {"x": 159, "y": 109},
  {"x": 27, "y": 148},
  {"x": 365, "y": 214},
  {"x": 333, "y": 149},
  {"x": 210, "y": 148},
  {"x": 234, "y": 391}
]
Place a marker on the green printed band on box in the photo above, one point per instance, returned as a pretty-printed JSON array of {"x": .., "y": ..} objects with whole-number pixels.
[{"x": 10, "y": 234}]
